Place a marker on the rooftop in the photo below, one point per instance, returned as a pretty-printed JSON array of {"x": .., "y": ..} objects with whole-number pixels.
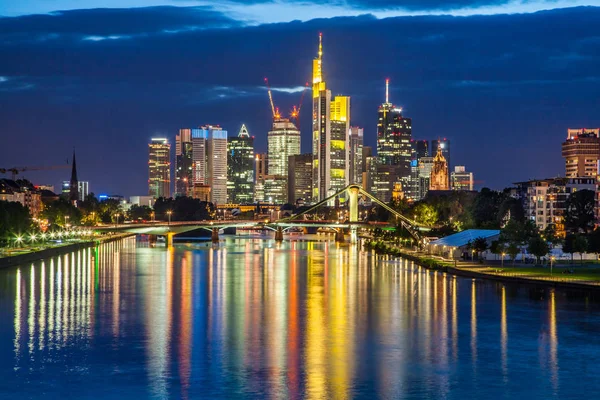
[{"x": 462, "y": 238}]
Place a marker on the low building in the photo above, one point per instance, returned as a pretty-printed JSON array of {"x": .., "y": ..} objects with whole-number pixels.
[
  {"x": 461, "y": 179},
  {"x": 28, "y": 196},
  {"x": 456, "y": 246},
  {"x": 142, "y": 200}
]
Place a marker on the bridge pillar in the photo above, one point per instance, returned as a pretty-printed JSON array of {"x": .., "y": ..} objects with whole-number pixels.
[
  {"x": 339, "y": 236},
  {"x": 353, "y": 192},
  {"x": 170, "y": 239},
  {"x": 215, "y": 235},
  {"x": 353, "y": 235},
  {"x": 279, "y": 234}
]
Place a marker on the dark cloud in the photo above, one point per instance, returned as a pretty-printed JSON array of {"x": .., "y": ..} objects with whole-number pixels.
[{"x": 503, "y": 88}]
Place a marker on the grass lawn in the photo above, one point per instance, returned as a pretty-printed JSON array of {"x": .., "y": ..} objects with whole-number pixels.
[{"x": 580, "y": 273}]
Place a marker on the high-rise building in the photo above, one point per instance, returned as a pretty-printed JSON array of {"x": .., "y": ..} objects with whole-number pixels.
[
  {"x": 262, "y": 171},
  {"x": 240, "y": 168},
  {"x": 421, "y": 148},
  {"x": 461, "y": 179},
  {"x": 283, "y": 142},
  {"x": 439, "y": 172},
  {"x": 394, "y": 133},
  {"x": 419, "y": 175},
  {"x": 425, "y": 167},
  {"x": 83, "y": 189},
  {"x": 159, "y": 168},
  {"x": 300, "y": 178},
  {"x": 443, "y": 144},
  {"x": 199, "y": 171},
  {"x": 356, "y": 155},
  {"x": 184, "y": 164},
  {"x": 216, "y": 163},
  {"x": 581, "y": 152},
  {"x": 330, "y": 126},
  {"x": 74, "y": 183}
]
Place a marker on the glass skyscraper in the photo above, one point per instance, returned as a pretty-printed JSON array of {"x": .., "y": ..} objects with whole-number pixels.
[
  {"x": 159, "y": 168},
  {"x": 240, "y": 168}
]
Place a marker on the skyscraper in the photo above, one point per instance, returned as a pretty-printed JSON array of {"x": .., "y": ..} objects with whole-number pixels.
[
  {"x": 74, "y": 183},
  {"x": 159, "y": 168},
  {"x": 184, "y": 171},
  {"x": 356, "y": 155},
  {"x": 299, "y": 178},
  {"x": 261, "y": 169},
  {"x": 394, "y": 148},
  {"x": 581, "y": 152},
  {"x": 330, "y": 140},
  {"x": 283, "y": 142},
  {"x": 216, "y": 163},
  {"x": 240, "y": 168}
]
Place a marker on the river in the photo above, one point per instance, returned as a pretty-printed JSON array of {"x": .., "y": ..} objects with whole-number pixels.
[{"x": 252, "y": 318}]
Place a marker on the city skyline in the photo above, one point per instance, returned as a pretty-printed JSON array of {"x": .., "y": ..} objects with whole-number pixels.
[{"x": 459, "y": 105}]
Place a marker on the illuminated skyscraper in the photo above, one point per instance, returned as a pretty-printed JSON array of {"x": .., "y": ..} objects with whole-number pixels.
[
  {"x": 240, "y": 168},
  {"x": 581, "y": 152},
  {"x": 330, "y": 126},
  {"x": 261, "y": 169},
  {"x": 209, "y": 163},
  {"x": 184, "y": 172},
  {"x": 394, "y": 143},
  {"x": 283, "y": 142},
  {"x": 356, "y": 155},
  {"x": 159, "y": 168},
  {"x": 300, "y": 178}
]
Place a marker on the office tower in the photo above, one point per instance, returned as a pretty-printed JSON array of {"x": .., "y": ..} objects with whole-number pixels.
[
  {"x": 421, "y": 148},
  {"x": 159, "y": 168},
  {"x": 184, "y": 164},
  {"x": 283, "y": 142},
  {"x": 461, "y": 179},
  {"x": 275, "y": 189},
  {"x": 356, "y": 155},
  {"x": 261, "y": 169},
  {"x": 581, "y": 152},
  {"x": 73, "y": 183},
  {"x": 439, "y": 172},
  {"x": 330, "y": 126},
  {"x": 240, "y": 168},
  {"x": 367, "y": 152},
  {"x": 425, "y": 167},
  {"x": 444, "y": 144},
  {"x": 83, "y": 189},
  {"x": 300, "y": 178},
  {"x": 370, "y": 173},
  {"x": 216, "y": 163},
  {"x": 394, "y": 147},
  {"x": 199, "y": 171}
]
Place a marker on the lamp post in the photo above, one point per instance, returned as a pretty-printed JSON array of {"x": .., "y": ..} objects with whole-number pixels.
[
  {"x": 169, "y": 215},
  {"x": 502, "y": 263},
  {"x": 93, "y": 218},
  {"x": 152, "y": 216},
  {"x": 551, "y": 262},
  {"x": 66, "y": 221},
  {"x": 18, "y": 239}
]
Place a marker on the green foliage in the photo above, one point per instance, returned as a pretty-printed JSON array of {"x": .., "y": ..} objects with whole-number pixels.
[
  {"x": 579, "y": 212},
  {"x": 108, "y": 210},
  {"x": 594, "y": 241},
  {"x": 580, "y": 245},
  {"x": 425, "y": 214},
  {"x": 184, "y": 209},
  {"x": 479, "y": 245},
  {"x": 549, "y": 234},
  {"x": 60, "y": 213},
  {"x": 538, "y": 247},
  {"x": 512, "y": 249},
  {"x": 486, "y": 207},
  {"x": 497, "y": 247},
  {"x": 14, "y": 219},
  {"x": 136, "y": 212}
]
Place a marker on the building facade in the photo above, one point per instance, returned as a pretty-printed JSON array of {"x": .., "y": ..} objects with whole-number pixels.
[
  {"x": 216, "y": 163},
  {"x": 581, "y": 152},
  {"x": 159, "y": 168},
  {"x": 184, "y": 164},
  {"x": 439, "y": 172},
  {"x": 240, "y": 168},
  {"x": 355, "y": 159},
  {"x": 461, "y": 179},
  {"x": 261, "y": 171},
  {"x": 444, "y": 146},
  {"x": 300, "y": 178},
  {"x": 283, "y": 141}
]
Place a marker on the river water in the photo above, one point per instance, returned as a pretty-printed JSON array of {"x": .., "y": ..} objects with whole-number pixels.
[{"x": 252, "y": 318}]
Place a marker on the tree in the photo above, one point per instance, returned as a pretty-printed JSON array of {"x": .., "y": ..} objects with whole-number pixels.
[
  {"x": 14, "y": 220},
  {"x": 480, "y": 245},
  {"x": 538, "y": 247},
  {"x": 184, "y": 209},
  {"x": 61, "y": 212},
  {"x": 594, "y": 241},
  {"x": 580, "y": 245},
  {"x": 425, "y": 214},
  {"x": 568, "y": 245},
  {"x": 549, "y": 234},
  {"x": 497, "y": 247},
  {"x": 579, "y": 211},
  {"x": 512, "y": 249},
  {"x": 136, "y": 212},
  {"x": 486, "y": 207}
]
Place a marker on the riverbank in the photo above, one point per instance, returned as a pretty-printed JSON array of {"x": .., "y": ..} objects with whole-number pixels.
[
  {"x": 23, "y": 258},
  {"x": 564, "y": 277}
]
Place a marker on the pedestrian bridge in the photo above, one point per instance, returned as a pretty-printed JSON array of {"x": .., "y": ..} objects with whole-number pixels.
[{"x": 169, "y": 229}]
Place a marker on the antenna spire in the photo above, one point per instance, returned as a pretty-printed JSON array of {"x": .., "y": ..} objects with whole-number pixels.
[
  {"x": 320, "y": 46},
  {"x": 387, "y": 90}
]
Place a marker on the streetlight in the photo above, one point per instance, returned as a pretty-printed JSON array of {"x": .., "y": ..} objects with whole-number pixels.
[
  {"x": 551, "y": 261},
  {"x": 93, "y": 218},
  {"x": 169, "y": 215},
  {"x": 18, "y": 239},
  {"x": 66, "y": 221},
  {"x": 502, "y": 263},
  {"x": 152, "y": 215},
  {"x": 117, "y": 215}
]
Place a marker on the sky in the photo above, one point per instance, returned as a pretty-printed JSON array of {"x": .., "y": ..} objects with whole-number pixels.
[{"x": 502, "y": 80}]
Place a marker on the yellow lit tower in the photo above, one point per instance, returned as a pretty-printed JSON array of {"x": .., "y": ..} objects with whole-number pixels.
[{"x": 330, "y": 127}]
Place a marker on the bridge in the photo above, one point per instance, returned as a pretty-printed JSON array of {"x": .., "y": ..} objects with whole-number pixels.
[{"x": 169, "y": 229}]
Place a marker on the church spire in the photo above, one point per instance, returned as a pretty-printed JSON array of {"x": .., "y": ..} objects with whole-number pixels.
[{"x": 74, "y": 183}]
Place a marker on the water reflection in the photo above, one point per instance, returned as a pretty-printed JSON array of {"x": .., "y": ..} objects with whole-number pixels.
[{"x": 259, "y": 319}]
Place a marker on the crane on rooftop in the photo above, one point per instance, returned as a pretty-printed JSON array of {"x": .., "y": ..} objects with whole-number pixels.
[{"x": 17, "y": 170}]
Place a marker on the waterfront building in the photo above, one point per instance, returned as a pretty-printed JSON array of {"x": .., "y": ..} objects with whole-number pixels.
[
  {"x": 159, "y": 168},
  {"x": 275, "y": 189},
  {"x": 240, "y": 168},
  {"x": 262, "y": 171},
  {"x": 394, "y": 148},
  {"x": 461, "y": 179},
  {"x": 444, "y": 145},
  {"x": 283, "y": 141},
  {"x": 439, "y": 172},
  {"x": 356, "y": 155},
  {"x": 581, "y": 152},
  {"x": 216, "y": 164},
  {"x": 28, "y": 196},
  {"x": 300, "y": 178},
  {"x": 184, "y": 164},
  {"x": 544, "y": 199},
  {"x": 330, "y": 125}
]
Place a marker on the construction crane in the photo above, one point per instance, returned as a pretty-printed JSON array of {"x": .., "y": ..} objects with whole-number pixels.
[
  {"x": 16, "y": 170},
  {"x": 295, "y": 114},
  {"x": 274, "y": 110}
]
